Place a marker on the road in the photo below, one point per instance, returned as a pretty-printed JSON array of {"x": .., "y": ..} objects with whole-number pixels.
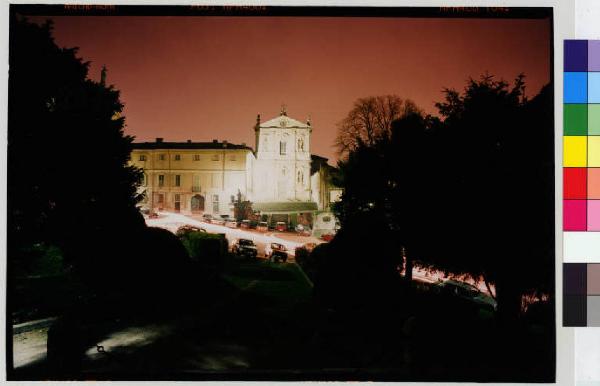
[{"x": 172, "y": 221}]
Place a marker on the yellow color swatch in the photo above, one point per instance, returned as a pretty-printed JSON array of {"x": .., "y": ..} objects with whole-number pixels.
[
  {"x": 575, "y": 151},
  {"x": 594, "y": 151}
]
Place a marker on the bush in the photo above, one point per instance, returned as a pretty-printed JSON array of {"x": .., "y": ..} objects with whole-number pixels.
[
  {"x": 307, "y": 260},
  {"x": 207, "y": 249},
  {"x": 358, "y": 268},
  {"x": 145, "y": 270}
]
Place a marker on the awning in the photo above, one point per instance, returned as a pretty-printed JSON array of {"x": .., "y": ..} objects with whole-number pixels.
[{"x": 284, "y": 207}]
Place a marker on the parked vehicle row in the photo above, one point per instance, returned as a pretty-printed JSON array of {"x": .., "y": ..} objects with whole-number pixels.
[
  {"x": 261, "y": 226},
  {"x": 274, "y": 252}
]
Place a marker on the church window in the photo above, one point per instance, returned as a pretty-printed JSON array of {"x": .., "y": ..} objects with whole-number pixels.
[
  {"x": 196, "y": 157},
  {"x": 161, "y": 180},
  {"x": 142, "y": 157},
  {"x": 177, "y": 157},
  {"x": 282, "y": 149},
  {"x": 300, "y": 144}
]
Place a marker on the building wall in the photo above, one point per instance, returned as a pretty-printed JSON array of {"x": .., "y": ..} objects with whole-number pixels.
[
  {"x": 216, "y": 175},
  {"x": 283, "y": 175}
]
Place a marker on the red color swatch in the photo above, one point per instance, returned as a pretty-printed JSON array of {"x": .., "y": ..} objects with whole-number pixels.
[{"x": 575, "y": 183}]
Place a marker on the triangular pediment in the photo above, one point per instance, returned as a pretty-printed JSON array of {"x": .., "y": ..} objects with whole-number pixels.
[{"x": 283, "y": 121}]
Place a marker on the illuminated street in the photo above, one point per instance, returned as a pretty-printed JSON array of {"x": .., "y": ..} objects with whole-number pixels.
[{"x": 172, "y": 221}]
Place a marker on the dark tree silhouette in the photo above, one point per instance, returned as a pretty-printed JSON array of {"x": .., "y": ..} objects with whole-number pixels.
[
  {"x": 370, "y": 121},
  {"x": 495, "y": 157},
  {"x": 470, "y": 193},
  {"x": 68, "y": 176}
]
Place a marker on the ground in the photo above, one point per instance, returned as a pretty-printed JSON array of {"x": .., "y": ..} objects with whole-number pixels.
[
  {"x": 260, "y": 321},
  {"x": 260, "y": 316}
]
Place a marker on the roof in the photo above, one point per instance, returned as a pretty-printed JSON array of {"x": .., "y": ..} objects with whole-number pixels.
[
  {"x": 283, "y": 121},
  {"x": 188, "y": 145},
  {"x": 285, "y": 207}
]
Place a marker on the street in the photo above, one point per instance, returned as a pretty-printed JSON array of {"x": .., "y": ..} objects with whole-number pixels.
[{"x": 172, "y": 221}]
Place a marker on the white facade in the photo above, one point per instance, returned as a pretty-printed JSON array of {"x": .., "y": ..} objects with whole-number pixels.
[{"x": 282, "y": 165}]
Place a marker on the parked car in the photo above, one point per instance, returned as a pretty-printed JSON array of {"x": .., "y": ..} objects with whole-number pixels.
[
  {"x": 262, "y": 226},
  {"x": 467, "y": 292},
  {"x": 280, "y": 226},
  {"x": 245, "y": 224},
  {"x": 245, "y": 248},
  {"x": 218, "y": 220},
  {"x": 231, "y": 223},
  {"x": 182, "y": 230},
  {"x": 207, "y": 217},
  {"x": 303, "y": 230},
  {"x": 276, "y": 252},
  {"x": 327, "y": 237}
]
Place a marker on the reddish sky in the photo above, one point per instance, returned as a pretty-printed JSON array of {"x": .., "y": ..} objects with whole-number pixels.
[{"x": 205, "y": 78}]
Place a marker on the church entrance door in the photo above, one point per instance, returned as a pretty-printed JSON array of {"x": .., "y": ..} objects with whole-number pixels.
[{"x": 197, "y": 203}]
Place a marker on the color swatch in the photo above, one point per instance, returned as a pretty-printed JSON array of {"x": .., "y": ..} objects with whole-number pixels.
[
  {"x": 581, "y": 295},
  {"x": 581, "y": 141},
  {"x": 581, "y": 184}
]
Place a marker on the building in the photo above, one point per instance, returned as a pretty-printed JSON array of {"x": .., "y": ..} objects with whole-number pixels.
[{"x": 279, "y": 176}]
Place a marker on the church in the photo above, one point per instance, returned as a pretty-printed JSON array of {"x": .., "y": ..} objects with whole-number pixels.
[{"x": 279, "y": 176}]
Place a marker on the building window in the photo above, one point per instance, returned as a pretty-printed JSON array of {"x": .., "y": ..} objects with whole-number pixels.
[
  {"x": 177, "y": 157},
  {"x": 300, "y": 177},
  {"x": 161, "y": 198},
  {"x": 215, "y": 157},
  {"x": 142, "y": 157},
  {"x": 161, "y": 180},
  {"x": 215, "y": 203},
  {"x": 282, "y": 148},
  {"x": 177, "y": 197},
  {"x": 196, "y": 183},
  {"x": 196, "y": 157},
  {"x": 161, "y": 157},
  {"x": 177, "y": 180}
]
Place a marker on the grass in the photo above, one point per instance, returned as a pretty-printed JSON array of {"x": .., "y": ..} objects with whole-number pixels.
[{"x": 278, "y": 282}]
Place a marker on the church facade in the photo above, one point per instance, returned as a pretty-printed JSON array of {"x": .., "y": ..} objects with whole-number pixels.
[{"x": 279, "y": 176}]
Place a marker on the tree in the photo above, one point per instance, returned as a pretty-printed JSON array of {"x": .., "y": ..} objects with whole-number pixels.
[
  {"x": 470, "y": 193},
  {"x": 69, "y": 182},
  {"x": 496, "y": 179},
  {"x": 370, "y": 120},
  {"x": 242, "y": 209}
]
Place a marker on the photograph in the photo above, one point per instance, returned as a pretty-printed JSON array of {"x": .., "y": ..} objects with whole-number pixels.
[{"x": 280, "y": 193}]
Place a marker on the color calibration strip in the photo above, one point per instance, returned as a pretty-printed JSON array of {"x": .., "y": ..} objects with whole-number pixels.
[
  {"x": 581, "y": 298},
  {"x": 581, "y": 183}
]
